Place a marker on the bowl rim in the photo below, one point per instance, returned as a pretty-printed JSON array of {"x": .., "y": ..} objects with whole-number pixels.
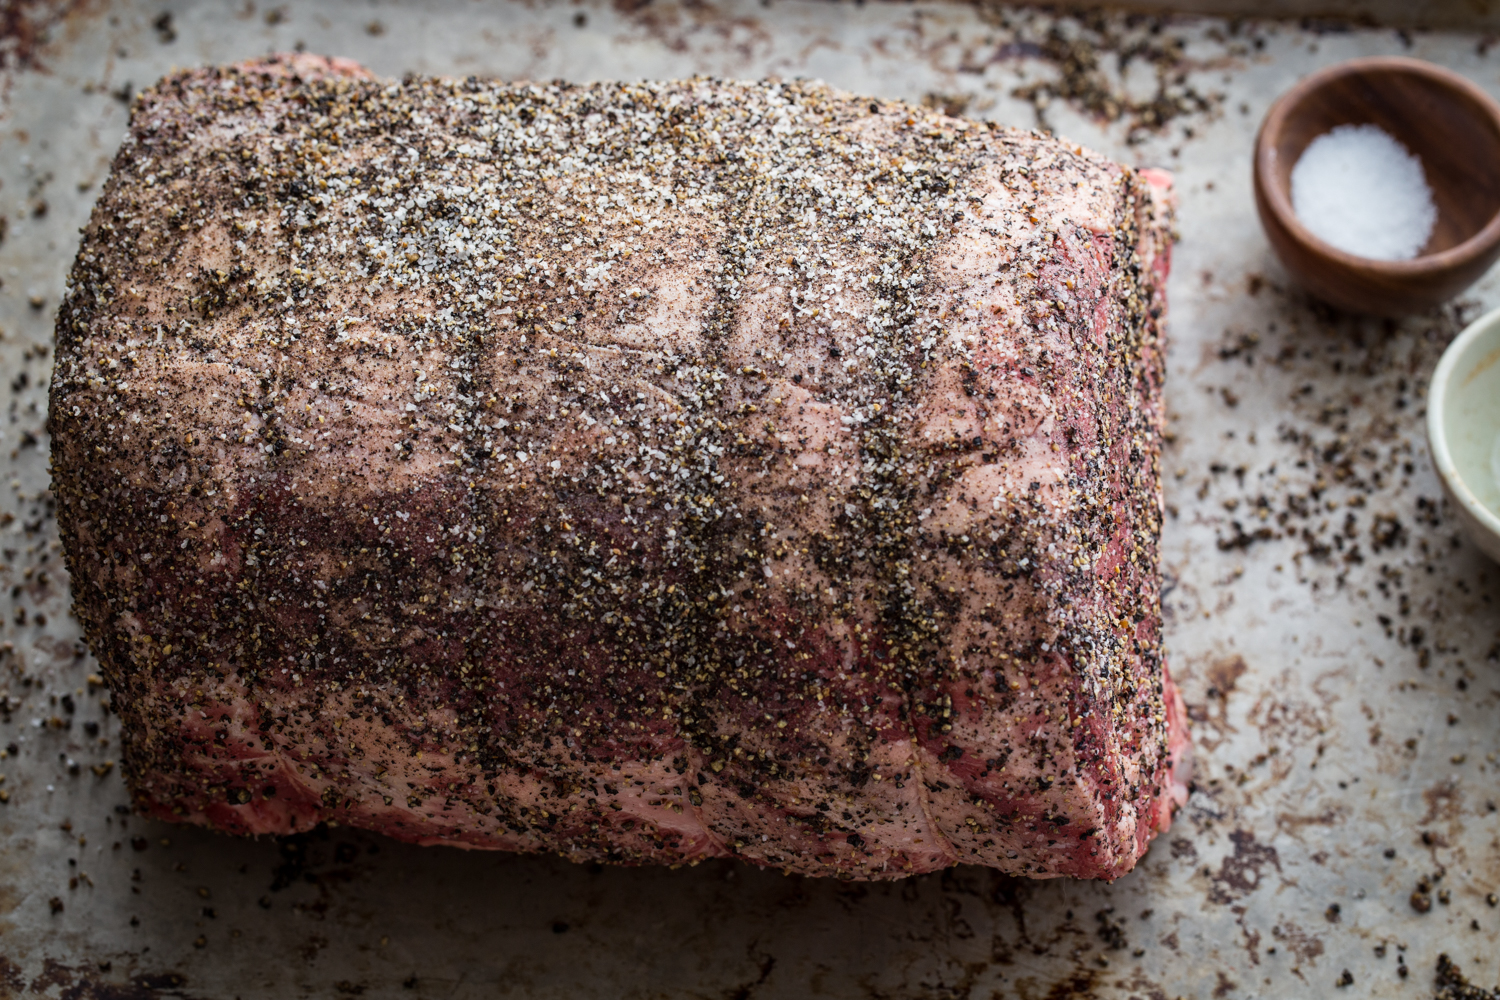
[
  {"x": 1279, "y": 201},
  {"x": 1437, "y": 433}
]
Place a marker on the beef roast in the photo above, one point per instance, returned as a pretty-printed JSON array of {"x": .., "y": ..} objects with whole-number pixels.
[{"x": 643, "y": 473}]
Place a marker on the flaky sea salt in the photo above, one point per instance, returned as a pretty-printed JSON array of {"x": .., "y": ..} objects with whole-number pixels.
[{"x": 1357, "y": 188}]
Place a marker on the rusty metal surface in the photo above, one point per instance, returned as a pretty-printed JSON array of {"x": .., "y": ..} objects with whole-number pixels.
[
  {"x": 1463, "y": 15},
  {"x": 1337, "y": 642}
]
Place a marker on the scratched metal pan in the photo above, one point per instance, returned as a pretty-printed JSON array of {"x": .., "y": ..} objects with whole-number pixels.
[{"x": 1337, "y": 641}]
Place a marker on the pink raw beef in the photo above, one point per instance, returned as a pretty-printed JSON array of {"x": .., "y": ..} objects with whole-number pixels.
[{"x": 643, "y": 473}]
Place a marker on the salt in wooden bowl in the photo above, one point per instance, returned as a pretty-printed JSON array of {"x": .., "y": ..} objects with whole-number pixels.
[{"x": 1452, "y": 125}]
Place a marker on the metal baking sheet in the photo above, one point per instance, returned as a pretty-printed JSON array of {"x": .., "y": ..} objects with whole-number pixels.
[{"x": 1335, "y": 637}]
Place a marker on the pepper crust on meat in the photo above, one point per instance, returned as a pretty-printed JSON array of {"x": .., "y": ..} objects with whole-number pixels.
[{"x": 639, "y": 472}]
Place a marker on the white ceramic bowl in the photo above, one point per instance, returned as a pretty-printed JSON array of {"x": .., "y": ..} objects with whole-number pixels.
[{"x": 1463, "y": 429}]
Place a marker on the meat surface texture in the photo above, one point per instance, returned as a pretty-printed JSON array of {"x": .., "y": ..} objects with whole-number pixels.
[{"x": 643, "y": 473}]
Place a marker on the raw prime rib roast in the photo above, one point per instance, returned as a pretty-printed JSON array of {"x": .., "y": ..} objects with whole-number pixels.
[{"x": 643, "y": 473}]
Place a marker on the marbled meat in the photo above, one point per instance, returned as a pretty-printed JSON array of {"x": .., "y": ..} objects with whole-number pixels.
[{"x": 643, "y": 473}]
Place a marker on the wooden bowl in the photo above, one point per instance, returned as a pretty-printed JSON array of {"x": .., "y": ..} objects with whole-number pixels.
[{"x": 1452, "y": 125}]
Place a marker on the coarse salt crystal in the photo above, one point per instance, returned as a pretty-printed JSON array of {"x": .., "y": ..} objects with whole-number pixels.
[{"x": 1360, "y": 190}]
